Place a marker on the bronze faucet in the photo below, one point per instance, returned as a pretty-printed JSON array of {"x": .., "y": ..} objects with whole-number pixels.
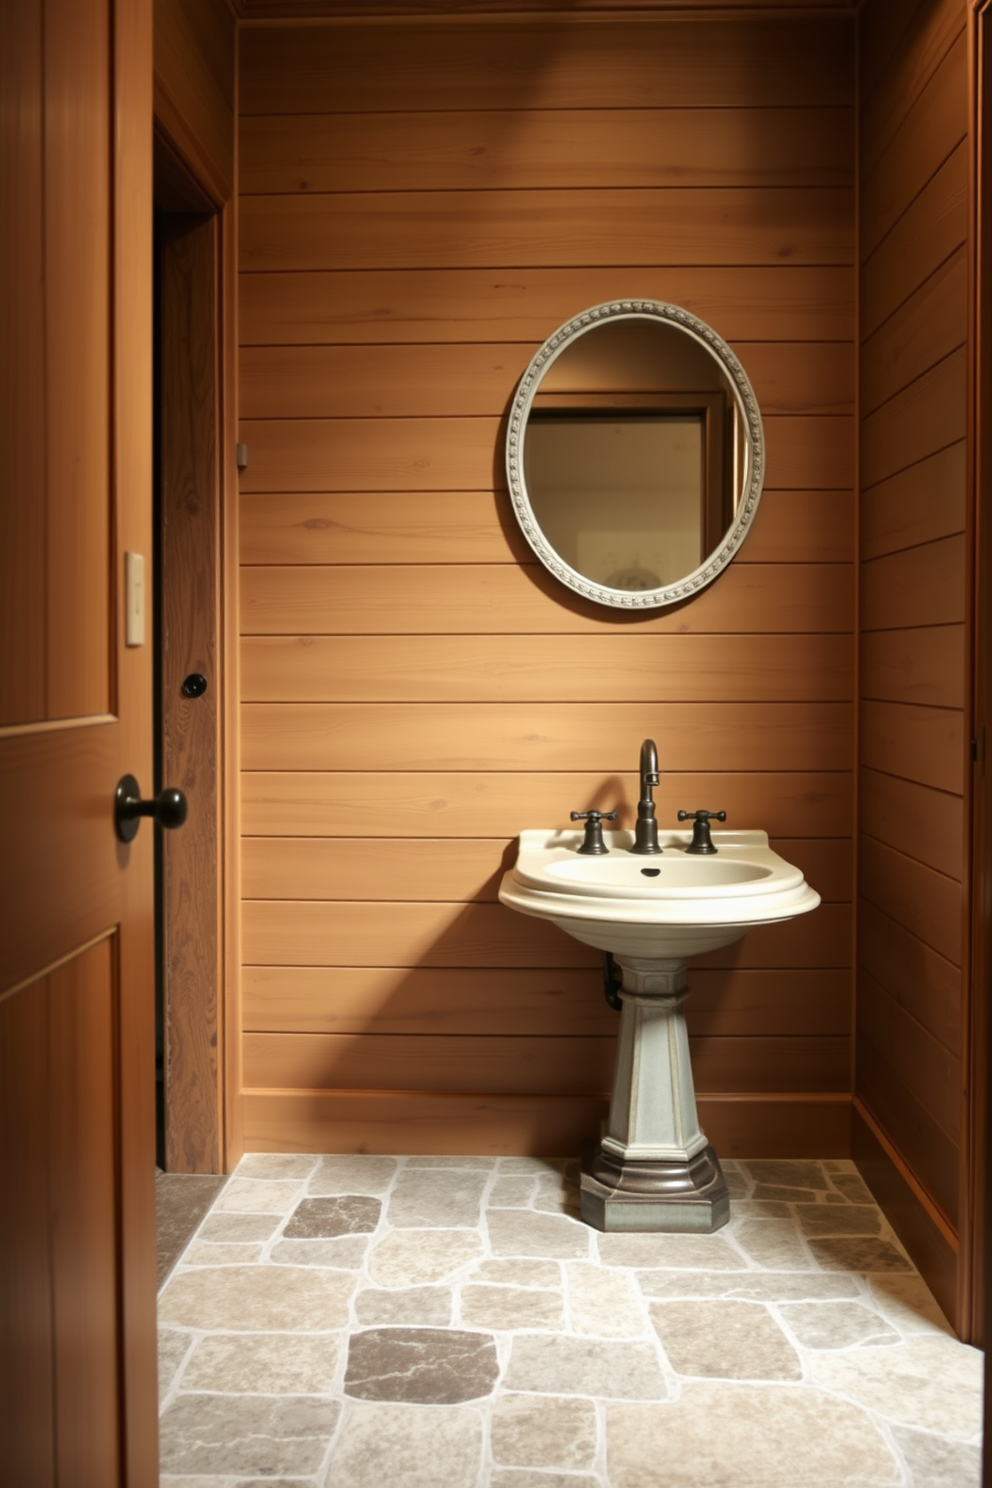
[{"x": 646, "y": 831}]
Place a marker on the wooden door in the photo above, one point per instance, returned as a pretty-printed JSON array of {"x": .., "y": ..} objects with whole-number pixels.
[{"x": 77, "y": 1218}]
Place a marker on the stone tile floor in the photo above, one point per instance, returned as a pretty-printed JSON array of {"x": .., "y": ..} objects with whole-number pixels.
[{"x": 447, "y": 1322}]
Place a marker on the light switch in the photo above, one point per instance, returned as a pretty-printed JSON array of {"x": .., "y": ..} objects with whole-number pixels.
[{"x": 134, "y": 599}]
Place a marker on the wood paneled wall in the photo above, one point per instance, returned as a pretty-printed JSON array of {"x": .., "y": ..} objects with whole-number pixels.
[
  {"x": 914, "y": 595},
  {"x": 420, "y": 207}
]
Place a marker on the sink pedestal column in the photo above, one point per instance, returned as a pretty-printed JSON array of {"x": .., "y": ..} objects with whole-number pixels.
[{"x": 653, "y": 1169}]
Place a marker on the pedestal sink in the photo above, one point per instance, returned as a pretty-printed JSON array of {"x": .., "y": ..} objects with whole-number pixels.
[{"x": 653, "y": 1168}]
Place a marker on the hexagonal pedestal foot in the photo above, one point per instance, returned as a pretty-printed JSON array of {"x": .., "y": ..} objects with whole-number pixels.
[{"x": 619, "y": 1194}]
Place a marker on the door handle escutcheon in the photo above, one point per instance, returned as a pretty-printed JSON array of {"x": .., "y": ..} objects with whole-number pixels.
[{"x": 168, "y": 808}]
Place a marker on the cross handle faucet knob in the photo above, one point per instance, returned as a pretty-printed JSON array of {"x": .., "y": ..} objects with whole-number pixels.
[
  {"x": 592, "y": 842},
  {"x": 702, "y": 842}
]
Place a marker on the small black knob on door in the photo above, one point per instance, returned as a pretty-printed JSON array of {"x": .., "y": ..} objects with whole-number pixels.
[
  {"x": 195, "y": 685},
  {"x": 168, "y": 808}
]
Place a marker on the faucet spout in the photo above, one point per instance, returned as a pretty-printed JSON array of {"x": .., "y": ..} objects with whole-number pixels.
[{"x": 646, "y": 831}]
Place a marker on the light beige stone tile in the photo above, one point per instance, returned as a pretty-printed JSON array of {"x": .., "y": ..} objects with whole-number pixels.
[
  {"x": 239, "y": 1228},
  {"x": 275, "y": 1165},
  {"x": 725, "y": 1340},
  {"x": 559, "y": 1365},
  {"x": 522, "y": 1477},
  {"x": 410, "y": 1258},
  {"x": 748, "y": 1436},
  {"x": 857, "y": 1253},
  {"x": 836, "y": 1325},
  {"x": 839, "y": 1219},
  {"x": 259, "y": 1196},
  {"x": 754, "y": 1286},
  {"x": 907, "y": 1302},
  {"x": 761, "y": 1209},
  {"x": 524, "y": 1232},
  {"x": 505, "y": 1309},
  {"x": 604, "y": 1303},
  {"x": 532, "y": 1164},
  {"x": 513, "y": 1192},
  {"x": 263, "y": 1364},
  {"x": 544, "y": 1431},
  {"x": 343, "y": 1252},
  {"x": 852, "y": 1186},
  {"x": 216, "y": 1253},
  {"x": 424, "y": 1306},
  {"x": 557, "y": 1194},
  {"x": 457, "y": 1161},
  {"x": 779, "y": 1194},
  {"x": 930, "y": 1382},
  {"x": 935, "y": 1462},
  {"x": 673, "y": 1252},
  {"x": 427, "y": 1198},
  {"x": 738, "y": 1183},
  {"x": 525, "y": 1273},
  {"x": 242, "y": 1434},
  {"x": 787, "y": 1172},
  {"x": 250, "y": 1299},
  {"x": 173, "y": 1347},
  {"x": 357, "y": 1173},
  {"x": 772, "y": 1243},
  {"x": 409, "y": 1446}
]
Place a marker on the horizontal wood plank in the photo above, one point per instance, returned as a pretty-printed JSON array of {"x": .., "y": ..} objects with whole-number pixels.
[
  {"x": 294, "y": 933},
  {"x": 921, "y": 666},
  {"x": 534, "y": 149},
  {"x": 791, "y": 303},
  {"x": 432, "y": 804},
  {"x": 916, "y": 587},
  {"x": 922, "y": 744},
  {"x": 924, "y": 417},
  {"x": 931, "y": 1155},
  {"x": 627, "y": 668},
  {"x": 793, "y": 1125},
  {"x": 503, "y": 229},
  {"x": 551, "y": 64},
  {"x": 926, "y": 903},
  {"x": 587, "y": 737},
  {"x": 917, "y": 820},
  {"x": 931, "y": 324},
  {"x": 441, "y": 1000},
  {"x": 925, "y": 983},
  {"x": 502, "y": 600},
  {"x": 920, "y": 504},
  {"x": 901, "y": 48},
  {"x": 932, "y": 1073}
]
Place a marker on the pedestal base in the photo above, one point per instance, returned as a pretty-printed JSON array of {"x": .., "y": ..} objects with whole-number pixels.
[{"x": 618, "y": 1194}]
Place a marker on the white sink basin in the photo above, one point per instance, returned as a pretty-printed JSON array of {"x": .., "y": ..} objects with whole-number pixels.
[{"x": 673, "y": 904}]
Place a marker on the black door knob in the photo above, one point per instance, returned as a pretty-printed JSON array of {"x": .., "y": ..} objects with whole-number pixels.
[
  {"x": 195, "y": 685},
  {"x": 169, "y": 808}
]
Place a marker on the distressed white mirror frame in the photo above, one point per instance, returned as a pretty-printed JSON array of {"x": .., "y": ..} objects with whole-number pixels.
[{"x": 753, "y": 464}]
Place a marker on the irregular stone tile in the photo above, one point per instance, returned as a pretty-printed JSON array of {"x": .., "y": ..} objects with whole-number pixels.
[
  {"x": 245, "y": 1434},
  {"x": 412, "y": 1258},
  {"x": 259, "y": 1196},
  {"x": 557, "y": 1195},
  {"x": 787, "y": 1172},
  {"x": 263, "y": 1364},
  {"x": 755, "y": 1286},
  {"x": 532, "y": 1164},
  {"x": 748, "y": 1436},
  {"x": 214, "y": 1253},
  {"x": 931, "y": 1382},
  {"x": 516, "y": 1477},
  {"x": 347, "y": 1253},
  {"x": 275, "y": 1165},
  {"x": 505, "y": 1309},
  {"x": 251, "y": 1299},
  {"x": 528, "y": 1273},
  {"x": 458, "y": 1161},
  {"x": 832, "y": 1198},
  {"x": 674, "y": 1252},
  {"x": 737, "y": 1183},
  {"x": 776, "y": 1193},
  {"x": 172, "y": 1350},
  {"x": 356, "y": 1173},
  {"x": 839, "y": 1219},
  {"x": 542, "y": 1431},
  {"x": 772, "y": 1243},
  {"x": 725, "y": 1340},
  {"x": 853, "y": 1187},
  {"x": 238, "y": 1228},
  {"x": 836, "y": 1325},
  {"x": 858, "y": 1253},
  {"x": 559, "y": 1365},
  {"x": 761, "y": 1209},
  {"x": 418, "y": 1306},
  {"x": 421, "y": 1366},
  {"x": 514, "y": 1192},
  {"x": 935, "y": 1462},
  {"x": 254, "y": 1482},
  {"x": 524, "y": 1232},
  {"x": 426, "y": 1198},
  {"x": 181, "y": 1202},
  {"x": 908, "y": 1303},
  {"x": 325, "y": 1219},
  {"x": 602, "y": 1303},
  {"x": 407, "y": 1447}
]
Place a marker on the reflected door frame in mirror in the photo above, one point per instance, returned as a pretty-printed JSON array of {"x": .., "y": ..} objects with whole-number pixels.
[{"x": 753, "y": 461}]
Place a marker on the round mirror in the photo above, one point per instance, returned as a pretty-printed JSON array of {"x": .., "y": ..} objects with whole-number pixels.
[{"x": 635, "y": 454}]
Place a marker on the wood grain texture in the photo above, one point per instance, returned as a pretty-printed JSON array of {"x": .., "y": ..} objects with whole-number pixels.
[
  {"x": 194, "y": 86},
  {"x": 901, "y": 48},
  {"x": 922, "y": 744},
  {"x": 931, "y": 1155},
  {"x": 925, "y": 666},
  {"x": 926, "y": 984},
  {"x": 919, "y": 586},
  {"x": 918, "y": 505},
  {"x": 427, "y": 10},
  {"x": 914, "y": 819},
  {"x": 924, "y": 417},
  {"x": 932, "y": 1073},
  {"x": 926, "y": 903},
  {"x": 924, "y": 330}
]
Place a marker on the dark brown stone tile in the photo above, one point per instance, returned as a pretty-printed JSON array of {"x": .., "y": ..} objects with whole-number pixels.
[
  {"x": 323, "y": 1219},
  {"x": 181, "y": 1201},
  {"x": 839, "y": 1219},
  {"x": 422, "y": 1366},
  {"x": 858, "y": 1253}
]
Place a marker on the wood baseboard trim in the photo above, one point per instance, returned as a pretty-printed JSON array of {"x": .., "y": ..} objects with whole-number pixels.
[
  {"x": 926, "y": 1234},
  {"x": 515, "y": 1125}
]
